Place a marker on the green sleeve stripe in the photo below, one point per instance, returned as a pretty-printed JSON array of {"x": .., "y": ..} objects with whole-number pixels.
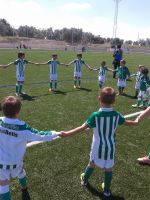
[{"x": 24, "y": 127}]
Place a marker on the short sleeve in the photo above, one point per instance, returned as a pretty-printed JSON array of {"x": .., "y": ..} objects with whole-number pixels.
[
  {"x": 15, "y": 62},
  {"x": 26, "y": 61},
  {"x": 121, "y": 119},
  {"x": 90, "y": 122},
  {"x": 49, "y": 62},
  {"x": 58, "y": 62},
  {"x": 83, "y": 62}
]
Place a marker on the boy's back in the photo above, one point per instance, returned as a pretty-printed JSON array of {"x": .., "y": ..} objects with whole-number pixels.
[{"x": 104, "y": 123}]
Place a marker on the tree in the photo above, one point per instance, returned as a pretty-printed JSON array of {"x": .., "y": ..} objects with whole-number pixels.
[{"x": 5, "y": 28}]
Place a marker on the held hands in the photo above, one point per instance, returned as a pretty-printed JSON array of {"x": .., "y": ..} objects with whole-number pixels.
[
  {"x": 137, "y": 120},
  {"x": 62, "y": 134}
]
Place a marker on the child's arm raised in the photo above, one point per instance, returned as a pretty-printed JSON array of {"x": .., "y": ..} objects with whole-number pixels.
[
  {"x": 145, "y": 113},
  {"x": 73, "y": 131},
  {"x": 30, "y": 62},
  {"x": 130, "y": 123},
  {"x": 94, "y": 69},
  {"x": 63, "y": 64},
  {"x": 88, "y": 66},
  {"x": 9, "y": 64},
  {"x": 70, "y": 63},
  {"x": 109, "y": 69}
]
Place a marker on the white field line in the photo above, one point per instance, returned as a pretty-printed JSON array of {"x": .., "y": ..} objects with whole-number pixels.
[
  {"x": 30, "y": 144},
  {"x": 34, "y": 143},
  {"x": 132, "y": 114}
]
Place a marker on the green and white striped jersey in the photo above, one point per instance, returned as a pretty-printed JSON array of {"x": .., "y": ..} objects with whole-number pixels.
[
  {"x": 20, "y": 66},
  {"x": 104, "y": 123},
  {"x": 78, "y": 65},
  {"x": 102, "y": 70},
  {"x": 14, "y": 135},
  {"x": 53, "y": 66},
  {"x": 144, "y": 83}
]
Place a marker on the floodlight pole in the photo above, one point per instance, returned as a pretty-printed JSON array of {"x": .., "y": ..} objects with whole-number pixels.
[{"x": 115, "y": 18}]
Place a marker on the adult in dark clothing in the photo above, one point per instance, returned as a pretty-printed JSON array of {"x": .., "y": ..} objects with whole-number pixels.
[{"x": 117, "y": 58}]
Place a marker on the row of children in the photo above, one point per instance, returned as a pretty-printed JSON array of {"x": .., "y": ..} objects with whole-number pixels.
[
  {"x": 142, "y": 80},
  {"x": 20, "y": 67},
  {"x": 15, "y": 134}
]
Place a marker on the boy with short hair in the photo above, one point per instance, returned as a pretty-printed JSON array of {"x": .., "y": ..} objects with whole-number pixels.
[
  {"x": 14, "y": 136},
  {"x": 104, "y": 123},
  {"x": 137, "y": 83},
  {"x": 78, "y": 69},
  {"x": 102, "y": 73},
  {"x": 144, "y": 82},
  {"x": 53, "y": 64},
  {"x": 123, "y": 72},
  {"x": 20, "y": 67}
]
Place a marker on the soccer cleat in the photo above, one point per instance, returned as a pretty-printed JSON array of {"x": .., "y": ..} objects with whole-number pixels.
[
  {"x": 79, "y": 86},
  {"x": 135, "y": 106},
  {"x": 17, "y": 94},
  {"x": 50, "y": 90},
  {"x": 75, "y": 86},
  {"x": 141, "y": 106},
  {"x": 23, "y": 93},
  {"x": 25, "y": 195},
  {"x": 106, "y": 192},
  {"x": 144, "y": 160},
  {"x": 83, "y": 183},
  {"x": 118, "y": 94}
]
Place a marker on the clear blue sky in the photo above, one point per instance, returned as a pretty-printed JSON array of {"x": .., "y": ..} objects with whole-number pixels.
[{"x": 94, "y": 16}]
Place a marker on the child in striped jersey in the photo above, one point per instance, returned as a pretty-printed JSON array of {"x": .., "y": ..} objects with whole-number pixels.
[
  {"x": 78, "y": 69},
  {"x": 137, "y": 83},
  {"x": 104, "y": 123},
  {"x": 144, "y": 83},
  {"x": 123, "y": 72},
  {"x": 102, "y": 73},
  {"x": 20, "y": 67},
  {"x": 14, "y": 136},
  {"x": 53, "y": 64}
]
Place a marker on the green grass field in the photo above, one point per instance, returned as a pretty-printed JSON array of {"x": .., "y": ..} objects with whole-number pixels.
[{"x": 53, "y": 169}]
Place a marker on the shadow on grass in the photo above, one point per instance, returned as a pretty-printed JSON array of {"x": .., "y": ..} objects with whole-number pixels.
[
  {"x": 128, "y": 95},
  {"x": 99, "y": 194},
  {"x": 85, "y": 89},
  {"x": 59, "y": 92},
  {"x": 26, "y": 97}
]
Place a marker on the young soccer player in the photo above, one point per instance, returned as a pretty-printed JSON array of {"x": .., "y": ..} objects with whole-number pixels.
[
  {"x": 102, "y": 73},
  {"x": 144, "y": 82},
  {"x": 20, "y": 67},
  {"x": 137, "y": 83},
  {"x": 145, "y": 160},
  {"x": 78, "y": 69},
  {"x": 14, "y": 135},
  {"x": 123, "y": 72},
  {"x": 104, "y": 123},
  {"x": 53, "y": 63}
]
